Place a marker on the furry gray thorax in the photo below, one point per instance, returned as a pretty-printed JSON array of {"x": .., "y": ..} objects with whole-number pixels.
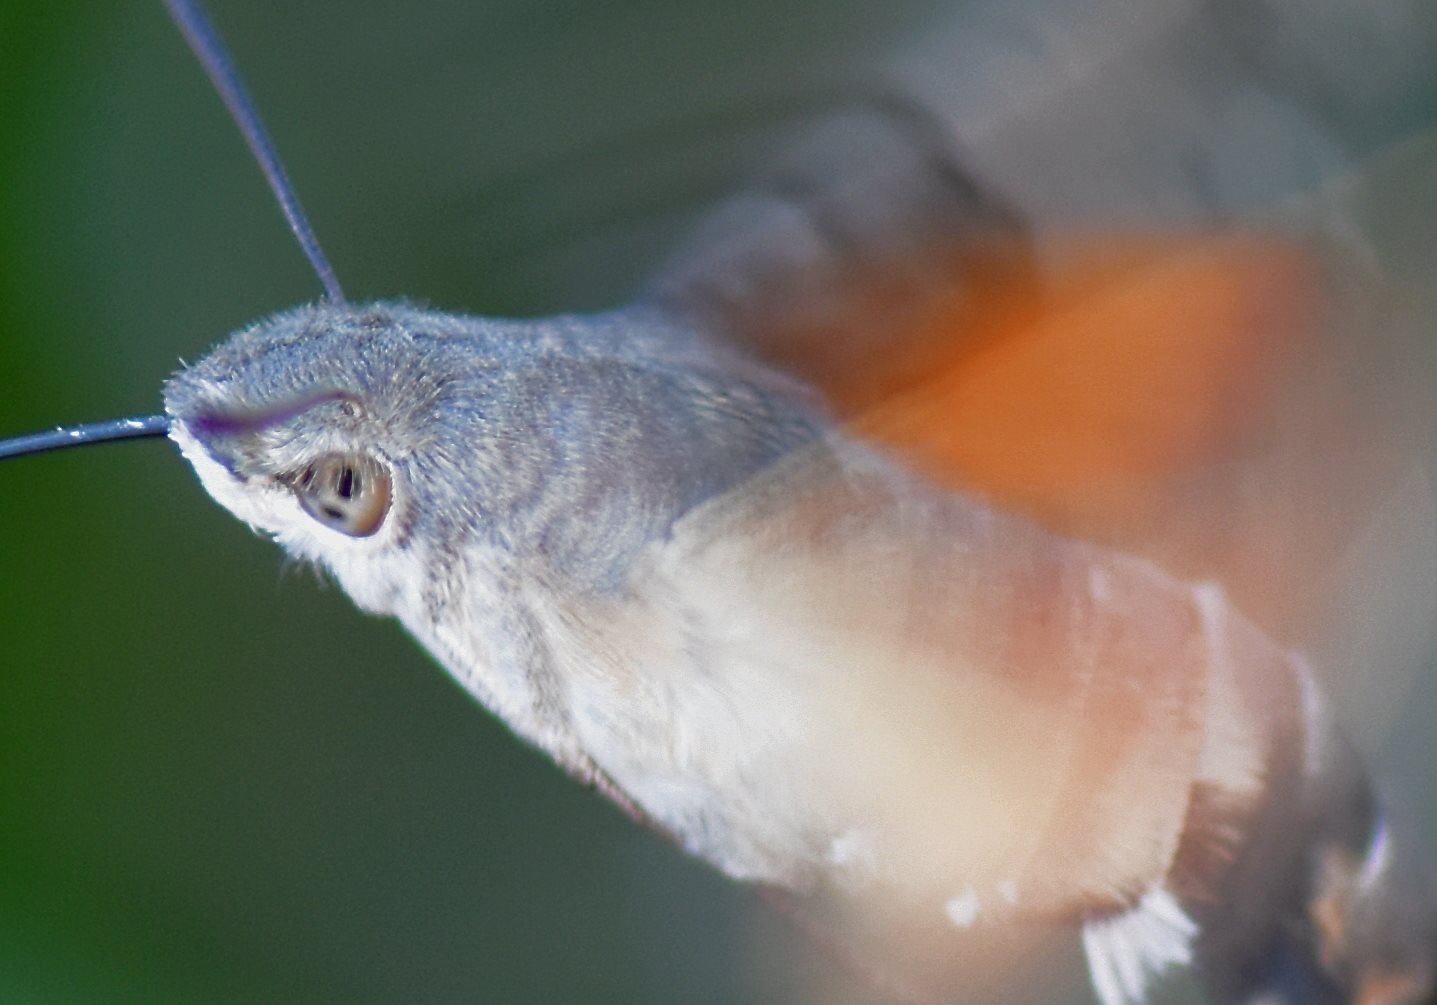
[{"x": 570, "y": 442}]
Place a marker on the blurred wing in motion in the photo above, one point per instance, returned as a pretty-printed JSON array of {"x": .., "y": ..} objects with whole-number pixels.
[{"x": 1144, "y": 279}]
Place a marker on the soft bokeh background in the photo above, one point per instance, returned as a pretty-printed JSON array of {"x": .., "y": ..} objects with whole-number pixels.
[{"x": 218, "y": 782}]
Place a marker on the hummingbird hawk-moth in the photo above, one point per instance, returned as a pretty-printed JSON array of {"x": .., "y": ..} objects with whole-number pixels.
[{"x": 910, "y": 547}]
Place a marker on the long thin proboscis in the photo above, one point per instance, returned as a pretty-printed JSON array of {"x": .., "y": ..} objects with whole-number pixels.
[
  {"x": 79, "y": 436},
  {"x": 208, "y": 48}
]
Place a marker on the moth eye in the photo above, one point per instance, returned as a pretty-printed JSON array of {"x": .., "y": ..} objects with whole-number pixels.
[{"x": 345, "y": 492}]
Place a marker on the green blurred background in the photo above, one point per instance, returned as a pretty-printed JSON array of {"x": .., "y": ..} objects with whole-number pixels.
[{"x": 218, "y": 782}]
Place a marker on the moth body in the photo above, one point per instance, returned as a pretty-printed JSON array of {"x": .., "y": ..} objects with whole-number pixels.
[
  {"x": 659, "y": 561},
  {"x": 727, "y": 554}
]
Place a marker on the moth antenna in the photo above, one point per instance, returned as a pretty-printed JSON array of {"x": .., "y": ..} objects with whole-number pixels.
[
  {"x": 79, "y": 436},
  {"x": 210, "y": 50}
]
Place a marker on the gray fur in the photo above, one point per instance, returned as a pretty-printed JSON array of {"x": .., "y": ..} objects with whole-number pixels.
[{"x": 571, "y": 442}]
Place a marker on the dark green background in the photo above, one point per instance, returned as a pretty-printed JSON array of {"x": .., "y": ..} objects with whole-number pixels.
[{"x": 218, "y": 782}]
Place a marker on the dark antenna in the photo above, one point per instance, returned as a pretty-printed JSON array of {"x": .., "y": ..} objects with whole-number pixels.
[
  {"x": 205, "y": 43},
  {"x": 79, "y": 436}
]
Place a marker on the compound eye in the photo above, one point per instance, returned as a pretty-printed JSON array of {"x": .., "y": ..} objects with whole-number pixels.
[{"x": 345, "y": 492}]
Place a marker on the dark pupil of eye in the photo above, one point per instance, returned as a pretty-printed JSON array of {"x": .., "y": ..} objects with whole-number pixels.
[{"x": 347, "y": 492}]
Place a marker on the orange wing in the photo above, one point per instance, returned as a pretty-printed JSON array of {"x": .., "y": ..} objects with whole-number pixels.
[{"x": 1199, "y": 400}]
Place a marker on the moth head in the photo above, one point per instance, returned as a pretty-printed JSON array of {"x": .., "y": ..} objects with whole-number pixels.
[{"x": 330, "y": 428}]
